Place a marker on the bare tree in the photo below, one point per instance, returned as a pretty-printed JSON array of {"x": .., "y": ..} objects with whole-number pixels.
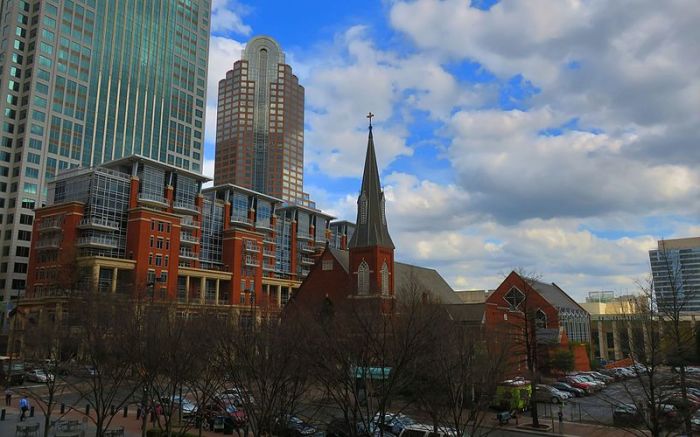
[
  {"x": 105, "y": 325},
  {"x": 51, "y": 345},
  {"x": 459, "y": 376},
  {"x": 263, "y": 364},
  {"x": 363, "y": 357}
]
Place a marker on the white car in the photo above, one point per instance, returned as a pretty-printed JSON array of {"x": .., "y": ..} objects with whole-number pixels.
[{"x": 39, "y": 376}]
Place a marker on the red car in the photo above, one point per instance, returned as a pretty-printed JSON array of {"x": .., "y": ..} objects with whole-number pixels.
[{"x": 588, "y": 388}]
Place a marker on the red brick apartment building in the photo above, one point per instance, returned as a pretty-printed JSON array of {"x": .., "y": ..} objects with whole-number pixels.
[{"x": 135, "y": 225}]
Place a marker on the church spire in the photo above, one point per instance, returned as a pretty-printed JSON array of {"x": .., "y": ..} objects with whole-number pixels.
[{"x": 371, "y": 226}]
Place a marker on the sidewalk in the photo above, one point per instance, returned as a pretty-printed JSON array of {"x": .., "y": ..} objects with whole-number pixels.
[
  {"x": 565, "y": 429},
  {"x": 132, "y": 427}
]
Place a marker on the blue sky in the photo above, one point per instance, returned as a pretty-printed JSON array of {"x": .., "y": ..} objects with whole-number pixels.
[{"x": 555, "y": 136}]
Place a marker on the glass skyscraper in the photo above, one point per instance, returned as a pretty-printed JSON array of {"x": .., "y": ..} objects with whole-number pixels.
[
  {"x": 87, "y": 81},
  {"x": 675, "y": 269}
]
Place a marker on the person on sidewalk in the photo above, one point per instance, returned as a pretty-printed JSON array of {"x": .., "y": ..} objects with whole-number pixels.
[
  {"x": 8, "y": 397},
  {"x": 24, "y": 407}
]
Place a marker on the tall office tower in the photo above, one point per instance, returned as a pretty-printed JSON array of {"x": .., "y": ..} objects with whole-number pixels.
[
  {"x": 675, "y": 269},
  {"x": 260, "y": 124},
  {"x": 88, "y": 81}
]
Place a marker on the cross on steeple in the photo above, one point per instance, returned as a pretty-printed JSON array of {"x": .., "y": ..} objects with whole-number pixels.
[{"x": 370, "y": 115}]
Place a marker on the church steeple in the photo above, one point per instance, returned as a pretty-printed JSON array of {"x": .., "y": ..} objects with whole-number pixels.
[{"x": 371, "y": 226}]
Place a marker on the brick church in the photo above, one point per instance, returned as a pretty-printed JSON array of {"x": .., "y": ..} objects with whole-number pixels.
[{"x": 366, "y": 271}]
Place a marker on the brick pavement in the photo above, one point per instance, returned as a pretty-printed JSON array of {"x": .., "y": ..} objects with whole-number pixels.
[{"x": 132, "y": 427}]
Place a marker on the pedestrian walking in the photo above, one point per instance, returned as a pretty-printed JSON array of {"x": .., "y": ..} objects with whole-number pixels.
[
  {"x": 24, "y": 407},
  {"x": 8, "y": 397}
]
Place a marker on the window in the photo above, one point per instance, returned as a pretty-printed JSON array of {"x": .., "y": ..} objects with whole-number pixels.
[
  {"x": 26, "y": 219},
  {"x": 363, "y": 208},
  {"x": 22, "y": 251},
  {"x": 385, "y": 279},
  {"x": 327, "y": 264},
  {"x": 363, "y": 278},
  {"x": 159, "y": 260},
  {"x": 24, "y": 235},
  {"x": 540, "y": 319},
  {"x": 514, "y": 297},
  {"x": 159, "y": 243}
]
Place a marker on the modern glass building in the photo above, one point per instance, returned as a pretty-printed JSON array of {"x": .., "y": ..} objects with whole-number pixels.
[
  {"x": 260, "y": 125},
  {"x": 88, "y": 81},
  {"x": 675, "y": 269}
]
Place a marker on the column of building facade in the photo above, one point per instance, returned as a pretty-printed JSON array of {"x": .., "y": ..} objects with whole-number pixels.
[
  {"x": 279, "y": 296},
  {"x": 602, "y": 341},
  {"x": 187, "y": 289},
  {"x": 216, "y": 298},
  {"x": 617, "y": 349},
  {"x": 202, "y": 291},
  {"x": 115, "y": 271},
  {"x": 630, "y": 338}
]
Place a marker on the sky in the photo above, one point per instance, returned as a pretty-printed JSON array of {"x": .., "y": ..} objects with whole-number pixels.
[{"x": 560, "y": 137}]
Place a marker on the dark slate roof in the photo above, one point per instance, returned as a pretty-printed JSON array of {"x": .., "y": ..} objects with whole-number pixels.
[
  {"x": 372, "y": 231},
  {"x": 555, "y": 295},
  {"x": 409, "y": 278},
  {"x": 466, "y": 312}
]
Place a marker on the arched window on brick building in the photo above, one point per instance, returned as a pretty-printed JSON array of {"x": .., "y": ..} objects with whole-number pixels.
[{"x": 363, "y": 278}]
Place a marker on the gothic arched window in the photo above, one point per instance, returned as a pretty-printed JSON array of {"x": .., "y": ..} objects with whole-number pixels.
[
  {"x": 363, "y": 278},
  {"x": 385, "y": 279},
  {"x": 540, "y": 319},
  {"x": 363, "y": 208}
]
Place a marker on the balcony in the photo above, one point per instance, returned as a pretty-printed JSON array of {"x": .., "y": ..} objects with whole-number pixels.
[
  {"x": 189, "y": 222},
  {"x": 186, "y": 238},
  {"x": 251, "y": 261},
  {"x": 308, "y": 261},
  {"x": 98, "y": 223},
  {"x": 269, "y": 253},
  {"x": 97, "y": 241},
  {"x": 305, "y": 272},
  {"x": 185, "y": 207},
  {"x": 269, "y": 240},
  {"x": 268, "y": 267},
  {"x": 153, "y": 199},
  {"x": 49, "y": 243},
  {"x": 50, "y": 224},
  {"x": 263, "y": 224},
  {"x": 186, "y": 253},
  {"x": 241, "y": 220},
  {"x": 304, "y": 236},
  {"x": 252, "y": 247},
  {"x": 307, "y": 249}
]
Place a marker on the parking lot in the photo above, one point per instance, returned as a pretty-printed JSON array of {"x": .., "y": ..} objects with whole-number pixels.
[{"x": 598, "y": 407}]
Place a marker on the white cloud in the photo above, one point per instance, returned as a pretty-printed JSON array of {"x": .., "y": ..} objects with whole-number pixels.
[
  {"x": 354, "y": 77},
  {"x": 226, "y": 16},
  {"x": 223, "y": 52}
]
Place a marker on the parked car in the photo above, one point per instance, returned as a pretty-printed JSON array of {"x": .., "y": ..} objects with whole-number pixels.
[
  {"x": 676, "y": 399},
  {"x": 236, "y": 396},
  {"x": 605, "y": 378},
  {"x": 236, "y": 415},
  {"x": 393, "y": 422},
  {"x": 39, "y": 376},
  {"x": 340, "y": 428},
  {"x": 562, "y": 386},
  {"x": 546, "y": 393},
  {"x": 627, "y": 415},
  {"x": 188, "y": 407},
  {"x": 293, "y": 426},
  {"x": 583, "y": 385},
  {"x": 613, "y": 373},
  {"x": 596, "y": 383},
  {"x": 695, "y": 422},
  {"x": 419, "y": 430}
]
